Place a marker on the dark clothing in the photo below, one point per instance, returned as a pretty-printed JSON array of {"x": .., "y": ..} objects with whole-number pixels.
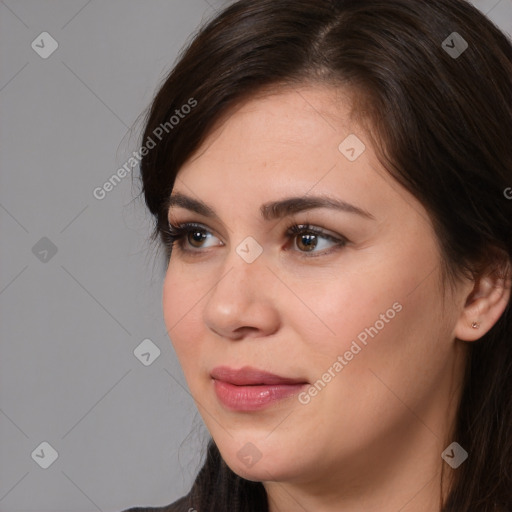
[{"x": 178, "y": 506}]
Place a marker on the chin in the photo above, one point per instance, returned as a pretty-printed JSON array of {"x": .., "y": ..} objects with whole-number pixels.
[{"x": 270, "y": 467}]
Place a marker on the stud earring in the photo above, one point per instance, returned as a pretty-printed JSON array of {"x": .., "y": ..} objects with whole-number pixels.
[{"x": 475, "y": 325}]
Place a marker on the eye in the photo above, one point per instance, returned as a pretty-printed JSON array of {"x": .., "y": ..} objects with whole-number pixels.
[
  {"x": 308, "y": 239},
  {"x": 190, "y": 237},
  {"x": 188, "y": 234}
]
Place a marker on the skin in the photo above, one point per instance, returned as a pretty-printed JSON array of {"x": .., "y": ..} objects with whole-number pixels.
[{"x": 372, "y": 438}]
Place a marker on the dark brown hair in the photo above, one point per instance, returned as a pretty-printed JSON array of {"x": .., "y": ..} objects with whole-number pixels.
[{"x": 442, "y": 126}]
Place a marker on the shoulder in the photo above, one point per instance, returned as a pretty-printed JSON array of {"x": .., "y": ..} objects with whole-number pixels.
[{"x": 180, "y": 505}]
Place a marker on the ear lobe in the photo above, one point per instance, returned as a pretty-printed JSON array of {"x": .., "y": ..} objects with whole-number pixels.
[{"x": 484, "y": 306}]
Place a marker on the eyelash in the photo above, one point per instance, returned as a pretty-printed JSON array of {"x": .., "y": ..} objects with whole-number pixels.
[{"x": 176, "y": 236}]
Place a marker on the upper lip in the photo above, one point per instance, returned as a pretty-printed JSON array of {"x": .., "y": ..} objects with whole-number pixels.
[{"x": 249, "y": 376}]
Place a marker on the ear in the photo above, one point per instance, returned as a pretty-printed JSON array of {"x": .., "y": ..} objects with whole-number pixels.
[{"x": 484, "y": 305}]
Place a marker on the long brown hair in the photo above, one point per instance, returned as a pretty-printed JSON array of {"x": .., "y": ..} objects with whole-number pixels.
[{"x": 442, "y": 125}]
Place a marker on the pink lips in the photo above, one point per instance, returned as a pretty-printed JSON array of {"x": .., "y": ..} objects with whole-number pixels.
[{"x": 250, "y": 389}]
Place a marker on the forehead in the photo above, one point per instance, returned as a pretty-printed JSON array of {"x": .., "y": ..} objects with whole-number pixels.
[
  {"x": 292, "y": 129},
  {"x": 289, "y": 145}
]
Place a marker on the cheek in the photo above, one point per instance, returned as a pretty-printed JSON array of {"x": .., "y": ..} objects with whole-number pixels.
[
  {"x": 393, "y": 342},
  {"x": 388, "y": 366},
  {"x": 181, "y": 312},
  {"x": 383, "y": 315},
  {"x": 346, "y": 308}
]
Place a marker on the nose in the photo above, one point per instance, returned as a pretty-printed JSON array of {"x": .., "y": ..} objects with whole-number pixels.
[{"x": 243, "y": 301}]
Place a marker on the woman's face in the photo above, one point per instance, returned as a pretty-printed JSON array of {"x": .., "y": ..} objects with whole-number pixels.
[{"x": 350, "y": 320}]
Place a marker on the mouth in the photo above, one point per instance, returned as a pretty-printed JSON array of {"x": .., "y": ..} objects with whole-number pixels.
[{"x": 251, "y": 389}]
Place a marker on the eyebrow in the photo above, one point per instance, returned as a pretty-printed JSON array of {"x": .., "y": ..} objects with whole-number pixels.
[{"x": 274, "y": 209}]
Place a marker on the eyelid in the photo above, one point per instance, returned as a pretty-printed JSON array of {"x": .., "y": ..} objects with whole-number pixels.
[
  {"x": 177, "y": 225},
  {"x": 178, "y": 231},
  {"x": 181, "y": 229},
  {"x": 295, "y": 229}
]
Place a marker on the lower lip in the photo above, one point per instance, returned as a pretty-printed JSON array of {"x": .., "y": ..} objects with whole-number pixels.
[{"x": 253, "y": 398}]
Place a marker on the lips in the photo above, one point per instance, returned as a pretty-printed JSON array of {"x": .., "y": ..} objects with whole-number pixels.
[
  {"x": 249, "y": 376},
  {"x": 249, "y": 389}
]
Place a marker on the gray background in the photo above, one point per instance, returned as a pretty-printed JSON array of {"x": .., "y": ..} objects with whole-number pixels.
[{"x": 126, "y": 433}]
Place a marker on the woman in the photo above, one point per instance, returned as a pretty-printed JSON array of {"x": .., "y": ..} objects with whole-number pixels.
[{"x": 332, "y": 182}]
